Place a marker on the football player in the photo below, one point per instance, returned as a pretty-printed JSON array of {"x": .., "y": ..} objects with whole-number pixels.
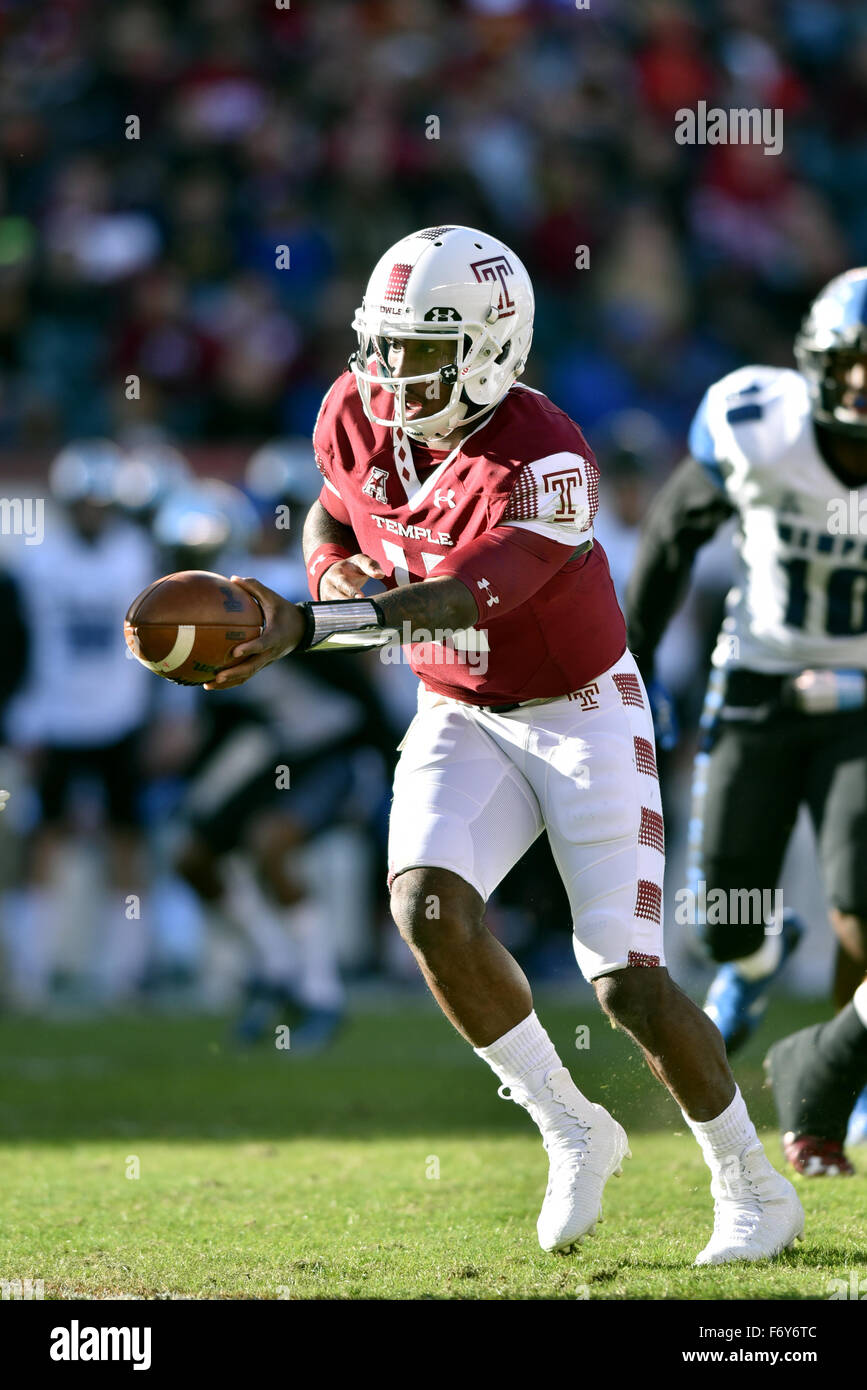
[
  {"x": 79, "y": 718},
  {"x": 785, "y": 720},
  {"x": 472, "y": 497},
  {"x": 815, "y": 1076}
]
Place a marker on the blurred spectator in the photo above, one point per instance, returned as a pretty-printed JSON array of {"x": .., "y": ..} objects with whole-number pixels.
[{"x": 332, "y": 130}]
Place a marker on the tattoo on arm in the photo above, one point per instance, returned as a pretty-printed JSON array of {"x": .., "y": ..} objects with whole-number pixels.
[
  {"x": 434, "y": 603},
  {"x": 320, "y": 528}
]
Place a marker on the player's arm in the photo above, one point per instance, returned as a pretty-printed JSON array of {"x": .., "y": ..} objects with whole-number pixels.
[
  {"x": 337, "y": 570},
  {"x": 501, "y": 568},
  {"x": 290, "y": 627},
  {"x": 335, "y": 567},
  {"x": 486, "y": 577},
  {"x": 683, "y": 517}
]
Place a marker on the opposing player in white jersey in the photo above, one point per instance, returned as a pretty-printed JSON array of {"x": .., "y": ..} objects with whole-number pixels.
[
  {"x": 785, "y": 721},
  {"x": 473, "y": 498},
  {"x": 79, "y": 716}
]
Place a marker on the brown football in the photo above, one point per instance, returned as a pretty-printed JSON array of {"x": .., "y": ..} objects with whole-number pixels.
[{"x": 185, "y": 625}]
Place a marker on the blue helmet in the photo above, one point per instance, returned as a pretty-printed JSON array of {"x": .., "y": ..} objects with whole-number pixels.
[
  {"x": 283, "y": 468},
  {"x": 204, "y": 517},
  {"x": 86, "y": 471},
  {"x": 148, "y": 475},
  {"x": 836, "y": 323}
]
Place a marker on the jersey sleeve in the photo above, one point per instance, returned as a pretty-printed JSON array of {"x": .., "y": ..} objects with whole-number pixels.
[
  {"x": 743, "y": 426},
  {"x": 706, "y": 444},
  {"x": 504, "y": 567},
  {"x": 331, "y": 500},
  {"x": 324, "y": 455},
  {"x": 555, "y": 497}
]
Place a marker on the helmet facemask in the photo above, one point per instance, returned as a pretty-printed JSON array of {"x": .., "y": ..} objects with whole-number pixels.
[
  {"x": 827, "y": 388},
  {"x": 474, "y": 382},
  {"x": 833, "y": 337}
]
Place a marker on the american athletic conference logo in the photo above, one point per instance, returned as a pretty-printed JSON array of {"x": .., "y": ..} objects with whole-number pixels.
[
  {"x": 374, "y": 484},
  {"x": 496, "y": 268}
]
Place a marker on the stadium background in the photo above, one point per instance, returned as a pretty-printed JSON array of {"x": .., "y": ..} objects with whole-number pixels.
[{"x": 310, "y": 128}]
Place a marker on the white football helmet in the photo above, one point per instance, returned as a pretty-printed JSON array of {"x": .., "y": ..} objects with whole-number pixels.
[{"x": 451, "y": 283}]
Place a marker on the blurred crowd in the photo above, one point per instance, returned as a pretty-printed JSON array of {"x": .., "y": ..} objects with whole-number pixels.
[
  {"x": 154, "y": 157},
  {"x": 192, "y": 195}
]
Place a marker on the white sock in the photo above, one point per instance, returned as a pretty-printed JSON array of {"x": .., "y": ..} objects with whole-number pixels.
[
  {"x": 728, "y": 1136},
  {"x": 859, "y": 999},
  {"x": 523, "y": 1057},
  {"x": 763, "y": 961}
]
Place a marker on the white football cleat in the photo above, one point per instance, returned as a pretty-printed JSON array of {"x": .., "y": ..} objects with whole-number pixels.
[
  {"x": 757, "y": 1213},
  {"x": 585, "y": 1146}
]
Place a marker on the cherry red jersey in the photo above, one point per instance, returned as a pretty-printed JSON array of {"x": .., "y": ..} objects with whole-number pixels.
[{"x": 510, "y": 512}]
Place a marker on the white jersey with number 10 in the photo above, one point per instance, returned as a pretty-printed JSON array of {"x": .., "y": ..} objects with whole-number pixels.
[{"x": 800, "y": 599}]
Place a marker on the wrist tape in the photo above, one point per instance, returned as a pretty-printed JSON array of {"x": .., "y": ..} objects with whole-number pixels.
[{"x": 323, "y": 620}]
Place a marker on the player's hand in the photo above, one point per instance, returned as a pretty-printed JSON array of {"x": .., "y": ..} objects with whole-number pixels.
[
  {"x": 346, "y": 578},
  {"x": 283, "y": 630}
]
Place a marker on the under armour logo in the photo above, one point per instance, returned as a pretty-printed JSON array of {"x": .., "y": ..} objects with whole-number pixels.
[
  {"x": 320, "y": 560},
  {"x": 442, "y": 313},
  {"x": 486, "y": 584},
  {"x": 445, "y": 499}
]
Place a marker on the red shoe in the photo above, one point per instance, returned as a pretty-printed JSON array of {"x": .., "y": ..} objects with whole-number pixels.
[{"x": 817, "y": 1158}]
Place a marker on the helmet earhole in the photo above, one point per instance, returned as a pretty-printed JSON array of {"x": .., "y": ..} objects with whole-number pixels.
[{"x": 504, "y": 354}]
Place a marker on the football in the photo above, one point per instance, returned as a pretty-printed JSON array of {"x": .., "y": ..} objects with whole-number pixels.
[{"x": 185, "y": 625}]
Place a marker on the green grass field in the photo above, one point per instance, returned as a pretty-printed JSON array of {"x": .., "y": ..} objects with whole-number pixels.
[{"x": 266, "y": 1175}]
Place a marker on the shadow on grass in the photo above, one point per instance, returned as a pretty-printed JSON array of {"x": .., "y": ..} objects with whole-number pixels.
[{"x": 396, "y": 1073}]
